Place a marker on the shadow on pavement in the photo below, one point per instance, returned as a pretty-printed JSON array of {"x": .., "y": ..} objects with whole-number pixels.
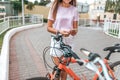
[{"x": 38, "y": 78}]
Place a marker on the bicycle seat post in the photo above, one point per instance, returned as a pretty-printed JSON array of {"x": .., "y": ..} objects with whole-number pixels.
[{"x": 108, "y": 56}]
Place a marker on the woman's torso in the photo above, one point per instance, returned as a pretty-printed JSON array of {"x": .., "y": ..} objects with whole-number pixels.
[{"x": 64, "y": 18}]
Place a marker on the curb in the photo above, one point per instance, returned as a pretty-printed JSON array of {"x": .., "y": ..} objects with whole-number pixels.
[{"x": 4, "y": 57}]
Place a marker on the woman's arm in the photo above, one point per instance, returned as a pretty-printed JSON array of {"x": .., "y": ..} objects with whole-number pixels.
[
  {"x": 75, "y": 28},
  {"x": 54, "y": 31},
  {"x": 50, "y": 27}
]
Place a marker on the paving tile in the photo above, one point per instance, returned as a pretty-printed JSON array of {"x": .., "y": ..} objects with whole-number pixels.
[{"x": 26, "y": 51}]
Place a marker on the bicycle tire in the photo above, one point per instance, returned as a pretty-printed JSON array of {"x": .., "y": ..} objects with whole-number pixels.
[{"x": 115, "y": 66}]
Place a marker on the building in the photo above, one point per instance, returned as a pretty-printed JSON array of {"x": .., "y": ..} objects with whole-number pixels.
[
  {"x": 8, "y": 11},
  {"x": 96, "y": 10},
  {"x": 2, "y": 11},
  {"x": 4, "y": 0},
  {"x": 83, "y": 7}
]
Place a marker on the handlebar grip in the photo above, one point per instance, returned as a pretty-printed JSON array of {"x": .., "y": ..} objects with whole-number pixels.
[
  {"x": 75, "y": 56},
  {"x": 86, "y": 52},
  {"x": 80, "y": 63},
  {"x": 91, "y": 55}
]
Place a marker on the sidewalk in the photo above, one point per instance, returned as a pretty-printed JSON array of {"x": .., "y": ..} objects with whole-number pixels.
[{"x": 26, "y": 49}]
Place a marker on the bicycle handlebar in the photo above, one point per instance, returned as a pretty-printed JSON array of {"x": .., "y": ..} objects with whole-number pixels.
[
  {"x": 57, "y": 37},
  {"x": 91, "y": 56},
  {"x": 66, "y": 48}
]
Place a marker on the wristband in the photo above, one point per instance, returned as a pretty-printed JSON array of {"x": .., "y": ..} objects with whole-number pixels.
[{"x": 75, "y": 29}]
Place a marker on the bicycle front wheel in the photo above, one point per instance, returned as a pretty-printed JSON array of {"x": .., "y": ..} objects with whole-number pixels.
[{"x": 116, "y": 69}]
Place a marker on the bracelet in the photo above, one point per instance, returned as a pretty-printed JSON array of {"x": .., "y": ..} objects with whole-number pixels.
[{"x": 76, "y": 30}]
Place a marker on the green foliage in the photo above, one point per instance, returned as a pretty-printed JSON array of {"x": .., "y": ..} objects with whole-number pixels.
[
  {"x": 1, "y": 38},
  {"x": 36, "y": 3},
  {"x": 114, "y": 32},
  {"x": 25, "y": 1},
  {"x": 117, "y": 7},
  {"x": 43, "y": 3},
  {"x": 17, "y": 6},
  {"x": 30, "y": 6},
  {"x": 45, "y": 20},
  {"x": 112, "y": 6}
]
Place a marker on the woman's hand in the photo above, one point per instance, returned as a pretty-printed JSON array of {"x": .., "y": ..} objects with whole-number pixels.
[
  {"x": 73, "y": 32},
  {"x": 65, "y": 33}
]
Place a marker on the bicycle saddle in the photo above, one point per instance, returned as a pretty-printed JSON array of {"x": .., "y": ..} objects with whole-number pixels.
[{"x": 115, "y": 48}]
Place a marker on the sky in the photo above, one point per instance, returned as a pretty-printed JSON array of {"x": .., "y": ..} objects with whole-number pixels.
[{"x": 89, "y": 1}]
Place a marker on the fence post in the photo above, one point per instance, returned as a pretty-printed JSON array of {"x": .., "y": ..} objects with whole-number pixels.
[
  {"x": 119, "y": 31},
  {"x": 104, "y": 28},
  {"x": 42, "y": 19},
  {"x": 106, "y": 25},
  {"x": 8, "y": 22}
]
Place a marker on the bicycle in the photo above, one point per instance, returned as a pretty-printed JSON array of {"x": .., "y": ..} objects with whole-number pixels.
[
  {"x": 71, "y": 57},
  {"x": 114, "y": 65},
  {"x": 111, "y": 67}
]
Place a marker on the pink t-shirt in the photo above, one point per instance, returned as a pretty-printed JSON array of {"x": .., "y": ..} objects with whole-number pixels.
[{"x": 64, "y": 18}]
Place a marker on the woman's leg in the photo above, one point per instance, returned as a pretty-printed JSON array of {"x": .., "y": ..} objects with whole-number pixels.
[
  {"x": 56, "y": 62},
  {"x": 63, "y": 75}
]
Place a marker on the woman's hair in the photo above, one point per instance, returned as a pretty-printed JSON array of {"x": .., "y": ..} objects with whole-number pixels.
[{"x": 56, "y": 4}]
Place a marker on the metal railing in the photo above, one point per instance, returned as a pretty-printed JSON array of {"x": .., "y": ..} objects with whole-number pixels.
[
  {"x": 10, "y": 22},
  {"x": 3, "y": 25},
  {"x": 89, "y": 23},
  {"x": 112, "y": 27},
  {"x": 16, "y": 21}
]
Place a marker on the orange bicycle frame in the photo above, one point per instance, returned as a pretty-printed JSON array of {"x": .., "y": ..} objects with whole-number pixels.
[{"x": 109, "y": 70}]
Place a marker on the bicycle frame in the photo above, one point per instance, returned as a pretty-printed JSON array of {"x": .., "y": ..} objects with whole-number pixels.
[
  {"x": 62, "y": 66},
  {"x": 109, "y": 70}
]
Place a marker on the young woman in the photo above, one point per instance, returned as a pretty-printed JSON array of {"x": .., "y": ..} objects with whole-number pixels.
[{"x": 63, "y": 18}]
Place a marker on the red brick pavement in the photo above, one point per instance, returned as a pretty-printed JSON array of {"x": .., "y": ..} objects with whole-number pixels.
[{"x": 13, "y": 67}]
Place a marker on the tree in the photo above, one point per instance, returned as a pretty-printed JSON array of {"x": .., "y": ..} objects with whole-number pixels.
[
  {"x": 17, "y": 6},
  {"x": 44, "y": 2},
  {"x": 36, "y": 2},
  {"x": 25, "y": 1},
  {"x": 30, "y": 6},
  {"x": 112, "y": 6},
  {"x": 109, "y": 7},
  {"x": 117, "y": 7}
]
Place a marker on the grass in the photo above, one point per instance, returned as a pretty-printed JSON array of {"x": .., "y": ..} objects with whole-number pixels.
[
  {"x": 112, "y": 32},
  {"x": 1, "y": 38}
]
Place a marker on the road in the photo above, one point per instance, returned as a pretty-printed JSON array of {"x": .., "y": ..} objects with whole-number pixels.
[{"x": 26, "y": 51}]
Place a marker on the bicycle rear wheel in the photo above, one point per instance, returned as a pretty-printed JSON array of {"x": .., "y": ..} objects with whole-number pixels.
[{"x": 116, "y": 68}]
